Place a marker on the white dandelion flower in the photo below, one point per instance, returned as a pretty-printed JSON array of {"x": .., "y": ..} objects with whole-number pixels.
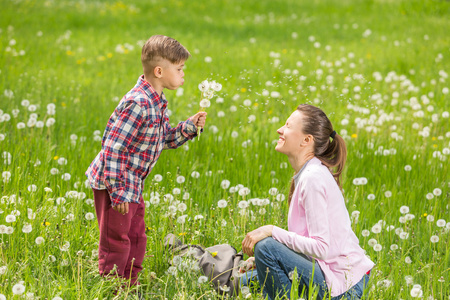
[
  {"x": 437, "y": 192},
  {"x": 430, "y": 218},
  {"x": 394, "y": 247},
  {"x": 39, "y": 240},
  {"x": 225, "y": 184},
  {"x": 202, "y": 279},
  {"x": 416, "y": 292},
  {"x": 224, "y": 288},
  {"x": 408, "y": 260},
  {"x": 203, "y": 86},
  {"x": 280, "y": 197},
  {"x": 3, "y": 270},
  {"x": 215, "y": 86},
  {"x": 181, "y": 179},
  {"x": 176, "y": 191},
  {"x": 388, "y": 194},
  {"x": 244, "y": 192},
  {"x": 407, "y": 168},
  {"x": 158, "y": 178},
  {"x": 434, "y": 239},
  {"x": 195, "y": 174},
  {"x": 372, "y": 242},
  {"x": 51, "y": 258},
  {"x": 273, "y": 191},
  {"x": 198, "y": 217},
  {"x": 440, "y": 223},
  {"x": 377, "y": 247},
  {"x": 10, "y": 218},
  {"x": 205, "y": 103},
  {"x": 182, "y": 219},
  {"x": 404, "y": 235},
  {"x": 2, "y": 297},
  {"x": 66, "y": 177},
  {"x": 404, "y": 209},
  {"x": 18, "y": 289},
  {"x": 243, "y": 204},
  {"x": 371, "y": 197},
  {"x": 376, "y": 228},
  {"x": 182, "y": 207},
  {"x": 65, "y": 247},
  {"x": 89, "y": 216},
  {"x": 222, "y": 203},
  {"x": 172, "y": 271},
  {"x": 9, "y": 230},
  {"x": 365, "y": 233},
  {"x": 27, "y": 228}
]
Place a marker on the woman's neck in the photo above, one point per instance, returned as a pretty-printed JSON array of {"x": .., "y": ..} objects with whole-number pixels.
[{"x": 297, "y": 162}]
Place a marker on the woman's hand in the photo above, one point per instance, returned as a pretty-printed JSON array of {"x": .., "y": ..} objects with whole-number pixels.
[
  {"x": 255, "y": 236},
  {"x": 247, "y": 265}
]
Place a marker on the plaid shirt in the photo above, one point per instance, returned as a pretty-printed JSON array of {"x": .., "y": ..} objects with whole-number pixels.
[{"x": 136, "y": 133}]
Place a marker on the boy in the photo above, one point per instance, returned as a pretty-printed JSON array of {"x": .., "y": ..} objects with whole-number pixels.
[{"x": 136, "y": 133}]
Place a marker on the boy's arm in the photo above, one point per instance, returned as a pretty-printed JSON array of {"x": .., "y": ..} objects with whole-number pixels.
[
  {"x": 184, "y": 131},
  {"x": 116, "y": 147}
]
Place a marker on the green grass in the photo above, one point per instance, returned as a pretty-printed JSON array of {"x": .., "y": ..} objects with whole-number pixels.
[{"x": 74, "y": 64}]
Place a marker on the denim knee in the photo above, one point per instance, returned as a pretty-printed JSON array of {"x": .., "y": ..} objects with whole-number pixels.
[{"x": 265, "y": 246}]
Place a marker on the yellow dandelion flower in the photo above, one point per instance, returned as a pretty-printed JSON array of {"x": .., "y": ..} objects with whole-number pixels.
[
  {"x": 70, "y": 53},
  {"x": 56, "y": 157},
  {"x": 109, "y": 55},
  {"x": 45, "y": 223},
  {"x": 243, "y": 90},
  {"x": 182, "y": 233},
  {"x": 354, "y": 135},
  {"x": 435, "y": 146},
  {"x": 284, "y": 51},
  {"x": 214, "y": 254},
  {"x": 425, "y": 214},
  {"x": 433, "y": 138}
]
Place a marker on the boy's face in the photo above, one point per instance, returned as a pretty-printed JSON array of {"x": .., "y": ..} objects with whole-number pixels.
[{"x": 172, "y": 74}]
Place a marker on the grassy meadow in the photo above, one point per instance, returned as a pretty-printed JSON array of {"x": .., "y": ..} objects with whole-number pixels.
[{"x": 378, "y": 68}]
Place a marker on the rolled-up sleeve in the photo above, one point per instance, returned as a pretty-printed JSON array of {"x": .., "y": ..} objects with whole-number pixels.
[{"x": 177, "y": 136}]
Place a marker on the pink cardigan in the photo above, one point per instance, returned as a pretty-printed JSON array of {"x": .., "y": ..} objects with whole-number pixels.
[{"x": 319, "y": 226}]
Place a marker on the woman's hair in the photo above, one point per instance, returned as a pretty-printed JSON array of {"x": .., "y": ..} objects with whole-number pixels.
[{"x": 329, "y": 147}]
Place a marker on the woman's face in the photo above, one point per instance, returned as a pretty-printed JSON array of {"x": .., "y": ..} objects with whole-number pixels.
[{"x": 291, "y": 135}]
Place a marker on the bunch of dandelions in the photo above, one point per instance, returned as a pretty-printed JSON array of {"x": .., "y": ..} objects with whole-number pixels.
[{"x": 207, "y": 88}]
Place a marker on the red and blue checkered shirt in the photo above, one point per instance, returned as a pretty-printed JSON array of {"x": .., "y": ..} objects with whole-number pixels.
[{"x": 136, "y": 133}]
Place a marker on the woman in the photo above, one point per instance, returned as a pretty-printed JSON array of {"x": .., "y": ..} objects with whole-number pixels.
[{"x": 319, "y": 241}]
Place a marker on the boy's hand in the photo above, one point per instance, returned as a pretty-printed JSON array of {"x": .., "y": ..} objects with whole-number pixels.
[
  {"x": 199, "y": 119},
  {"x": 122, "y": 208}
]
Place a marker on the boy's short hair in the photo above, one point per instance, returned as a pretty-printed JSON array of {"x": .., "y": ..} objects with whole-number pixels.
[{"x": 160, "y": 46}]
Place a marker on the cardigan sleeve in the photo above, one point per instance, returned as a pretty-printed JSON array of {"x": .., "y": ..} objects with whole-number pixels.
[{"x": 312, "y": 198}]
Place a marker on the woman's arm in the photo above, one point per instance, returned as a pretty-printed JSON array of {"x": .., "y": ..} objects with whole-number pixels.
[{"x": 311, "y": 198}]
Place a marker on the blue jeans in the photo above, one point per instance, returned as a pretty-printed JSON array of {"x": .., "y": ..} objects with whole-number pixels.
[{"x": 280, "y": 260}]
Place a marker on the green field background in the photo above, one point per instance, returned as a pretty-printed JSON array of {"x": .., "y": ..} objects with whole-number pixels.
[{"x": 379, "y": 69}]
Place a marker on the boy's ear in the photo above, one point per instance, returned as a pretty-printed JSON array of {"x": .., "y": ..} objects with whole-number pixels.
[{"x": 157, "y": 71}]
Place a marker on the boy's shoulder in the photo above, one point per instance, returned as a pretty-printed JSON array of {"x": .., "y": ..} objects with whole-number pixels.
[{"x": 140, "y": 99}]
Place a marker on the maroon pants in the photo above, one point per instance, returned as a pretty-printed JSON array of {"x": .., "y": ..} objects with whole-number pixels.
[{"x": 122, "y": 238}]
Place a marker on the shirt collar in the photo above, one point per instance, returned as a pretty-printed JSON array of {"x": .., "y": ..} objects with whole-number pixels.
[{"x": 155, "y": 98}]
